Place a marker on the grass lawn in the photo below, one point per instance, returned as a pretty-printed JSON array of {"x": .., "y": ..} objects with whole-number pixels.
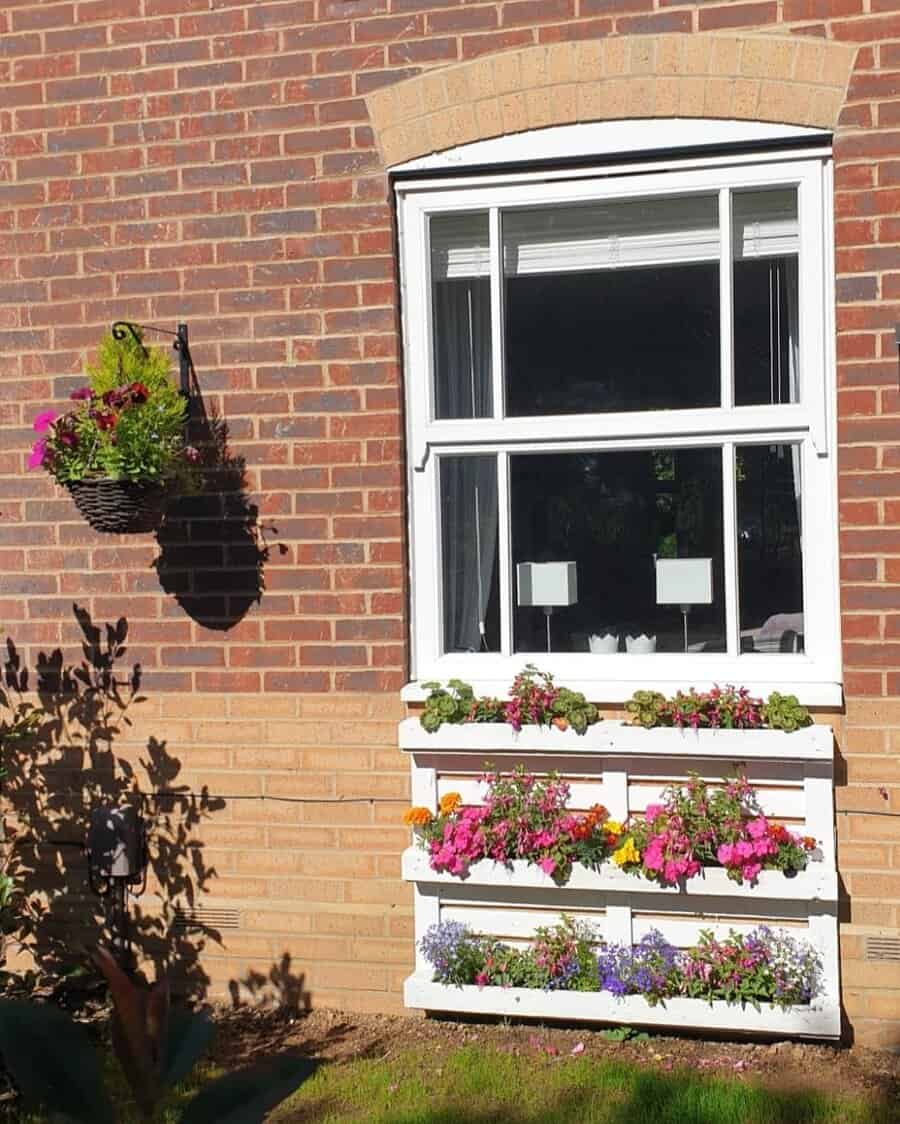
[
  {"x": 523, "y": 1077},
  {"x": 484, "y": 1086}
]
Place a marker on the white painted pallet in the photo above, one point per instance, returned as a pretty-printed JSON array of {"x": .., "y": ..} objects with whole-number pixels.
[
  {"x": 815, "y": 884},
  {"x": 819, "y": 1020},
  {"x": 625, "y": 768}
]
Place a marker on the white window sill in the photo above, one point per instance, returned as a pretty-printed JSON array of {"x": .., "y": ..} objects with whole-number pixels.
[{"x": 615, "y": 691}]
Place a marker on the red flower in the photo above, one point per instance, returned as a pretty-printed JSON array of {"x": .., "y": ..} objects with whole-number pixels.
[
  {"x": 139, "y": 393},
  {"x": 105, "y": 419}
]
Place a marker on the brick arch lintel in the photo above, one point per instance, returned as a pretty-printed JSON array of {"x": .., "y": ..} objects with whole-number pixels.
[{"x": 774, "y": 78}]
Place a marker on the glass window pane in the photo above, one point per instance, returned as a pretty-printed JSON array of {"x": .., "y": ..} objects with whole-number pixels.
[
  {"x": 461, "y": 309},
  {"x": 612, "y": 307},
  {"x": 766, "y": 296},
  {"x": 769, "y": 548},
  {"x": 469, "y": 553},
  {"x": 614, "y": 514}
]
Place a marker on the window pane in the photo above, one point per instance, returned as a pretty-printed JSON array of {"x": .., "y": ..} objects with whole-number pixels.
[
  {"x": 469, "y": 552},
  {"x": 766, "y": 296},
  {"x": 461, "y": 303},
  {"x": 612, "y": 307},
  {"x": 614, "y": 515},
  {"x": 769, "y": 548}
]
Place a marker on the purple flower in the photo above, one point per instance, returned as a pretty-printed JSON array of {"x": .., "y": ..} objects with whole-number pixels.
[
  {"x": 82, "y": 393},
  {"x": 43, "y": 421}
]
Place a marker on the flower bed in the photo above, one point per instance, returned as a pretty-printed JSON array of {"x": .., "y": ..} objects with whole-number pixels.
[
  {"x": 535, "y": 700},
  {"x": 696, "y": 826},
  {"x": 763, "y": 966}
]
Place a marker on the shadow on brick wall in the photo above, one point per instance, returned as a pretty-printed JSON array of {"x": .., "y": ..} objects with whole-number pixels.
[
  {"x": 212, "y": 545},
  {"x": 70, "y": 764},
  {"x": 281, "y": 987}
]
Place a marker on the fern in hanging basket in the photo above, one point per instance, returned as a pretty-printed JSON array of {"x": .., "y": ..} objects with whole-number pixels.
[{"x": 120, "y": 450}]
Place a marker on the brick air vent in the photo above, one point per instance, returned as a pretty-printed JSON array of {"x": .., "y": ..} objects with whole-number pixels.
[
  {"x": 200, "y": 918},
  {"x": 882, "y": 948}
]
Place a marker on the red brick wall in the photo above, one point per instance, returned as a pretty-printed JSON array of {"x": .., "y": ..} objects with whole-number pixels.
[{"x": 161, "y": 161}]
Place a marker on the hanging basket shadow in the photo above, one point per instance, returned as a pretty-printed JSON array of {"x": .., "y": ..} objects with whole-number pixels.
[{"x": 119, "y": 506}]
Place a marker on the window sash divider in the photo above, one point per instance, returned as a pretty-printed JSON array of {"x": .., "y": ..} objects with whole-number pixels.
[
  {"x": 498, "y": 375},
  {"x": 600, "y": 430},
  {"x": 504, "y": 553},
  {"x": 726, "y": 313},
  {"x": 729, "y": 530}
]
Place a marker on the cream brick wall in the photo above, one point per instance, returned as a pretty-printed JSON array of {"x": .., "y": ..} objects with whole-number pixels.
[{"x": 752, "y": 77}]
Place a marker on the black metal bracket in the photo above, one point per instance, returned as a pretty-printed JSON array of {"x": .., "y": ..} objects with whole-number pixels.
[{"x": 121, "y": 330}]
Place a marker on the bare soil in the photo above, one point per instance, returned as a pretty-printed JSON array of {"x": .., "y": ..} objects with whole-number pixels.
[{"x": 247, "y": 1034}]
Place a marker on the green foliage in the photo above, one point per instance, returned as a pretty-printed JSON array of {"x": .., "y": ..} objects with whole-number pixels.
[
  {"x": 451, "y": 705},
  {"x": 574, "y": 709},
  {"x": 724, "y": 708},
  {"x": 784, "y": 712},
  {"x": 625, "y": 1034},
  {"x": 647, "y": 709},
  {"x": 53, "y": 1062},
  {"x": 534, "y": 701},
  {"x": 129, "y": 427},
  {"x": 55, "y": 1067}
]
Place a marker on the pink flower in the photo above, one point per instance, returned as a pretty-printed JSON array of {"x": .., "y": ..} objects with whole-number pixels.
[
  {"x": 743, "y": 850},
  {"x": 757, "y": 828},
  {"x": 749, "y": 871},
  {"x": 82, "y": 393},
  {"x": 547, "y": 865},
  {"x": 653, "y": 855},
  {"x": 43, "y": 421},
  {"x": 653, "y": 810},
  {"x": 38, "y": 453}
]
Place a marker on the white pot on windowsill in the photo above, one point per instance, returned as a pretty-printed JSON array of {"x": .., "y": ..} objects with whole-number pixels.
[
  {"x": 640, "y": 645},
  {"x": 605, "y": 644}
]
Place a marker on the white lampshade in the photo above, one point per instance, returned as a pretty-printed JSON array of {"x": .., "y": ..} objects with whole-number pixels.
[
  {"x": 684, "y": 581},
  {"x": 547, "y": 583}
]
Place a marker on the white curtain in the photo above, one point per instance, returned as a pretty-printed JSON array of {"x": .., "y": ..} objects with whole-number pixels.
[
  {"x": 469, "y": 532},
  {"x": 468, "y": 484}
]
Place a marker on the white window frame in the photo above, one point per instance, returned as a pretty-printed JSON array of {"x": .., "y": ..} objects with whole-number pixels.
[{"x": 815, "y": 674}]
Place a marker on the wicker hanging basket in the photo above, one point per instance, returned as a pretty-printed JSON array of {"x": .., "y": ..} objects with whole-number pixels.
[{"x": 119, "y": 506}]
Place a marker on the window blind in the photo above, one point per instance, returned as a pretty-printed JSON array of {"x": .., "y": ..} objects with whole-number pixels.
[{"x": 617, "y": 235}]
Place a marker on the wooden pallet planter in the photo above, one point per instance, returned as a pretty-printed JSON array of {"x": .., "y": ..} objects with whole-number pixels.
[{"x": 625, "y": 768}]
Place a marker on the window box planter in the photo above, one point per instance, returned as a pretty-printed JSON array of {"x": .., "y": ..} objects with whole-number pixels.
[
  {"x": 817, "y": 883},
  {"x": 818, "y": 1020},
  {"x": 810, "y": 744},
  {"x": 626, "y": 767}
]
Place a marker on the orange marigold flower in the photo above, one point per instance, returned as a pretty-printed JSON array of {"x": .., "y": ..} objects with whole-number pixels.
[
  {"x": 450, "y": 803},
  {"x": 808, "y": 842},
  {"x": 417, "y": 817}
]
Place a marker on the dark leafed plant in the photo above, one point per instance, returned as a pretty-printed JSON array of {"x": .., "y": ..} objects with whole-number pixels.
[{"x": 55, "y": 1066}]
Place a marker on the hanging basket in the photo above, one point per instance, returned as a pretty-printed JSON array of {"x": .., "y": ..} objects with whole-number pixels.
[{"x": 119, "y": 506}]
